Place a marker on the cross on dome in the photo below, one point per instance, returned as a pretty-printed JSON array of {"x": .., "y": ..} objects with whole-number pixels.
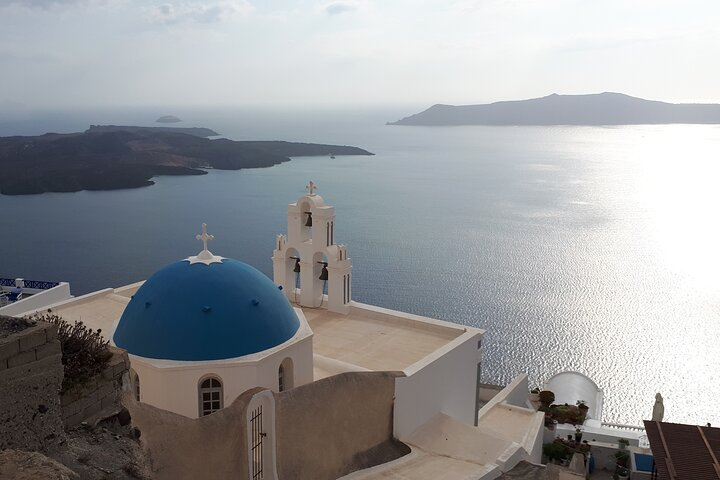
[
  {"x": 205, "y": 256},
  {"x": 204, "y": 237},
  {"x": 311, "y": 187}
]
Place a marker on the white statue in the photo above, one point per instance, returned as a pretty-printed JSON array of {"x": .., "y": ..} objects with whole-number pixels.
[{"x": 658, "y": 409}]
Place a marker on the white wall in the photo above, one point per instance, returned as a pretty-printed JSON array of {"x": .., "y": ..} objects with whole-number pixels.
[
  {"x": 600, "y": 434},
  {"x": 532, "y": 422},
  {"x": 515, "y": 393},
  {"x": 173, "y": 386},
  {"x": 443, "y": 382},
  {"x": 38, "y": 301}
]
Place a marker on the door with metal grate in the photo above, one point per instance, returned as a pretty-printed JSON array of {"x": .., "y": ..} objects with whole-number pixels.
[{"x": 256, "y": 448}]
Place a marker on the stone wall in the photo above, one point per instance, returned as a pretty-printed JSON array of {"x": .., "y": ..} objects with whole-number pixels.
[
  {"x": 336, "y": 425},
  {"x": 31, "y": 375},
  {"x": 97, "y": 396}
]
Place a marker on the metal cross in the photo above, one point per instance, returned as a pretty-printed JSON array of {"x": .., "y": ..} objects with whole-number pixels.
[
  {"x": 311, "y": 187},
  {"x": 204, "y": 237}
]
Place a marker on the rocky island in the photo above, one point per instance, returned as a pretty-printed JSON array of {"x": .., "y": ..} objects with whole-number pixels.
[
  {"x": 116, "y": 157},
  {"x": 168, "y": 119},
  {"x": 595, "y": 109}
]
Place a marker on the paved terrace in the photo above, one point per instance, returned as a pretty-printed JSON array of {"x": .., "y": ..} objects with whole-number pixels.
[
  {"x": 99, "y": 309},
  {"x": 373, "y": 338}
]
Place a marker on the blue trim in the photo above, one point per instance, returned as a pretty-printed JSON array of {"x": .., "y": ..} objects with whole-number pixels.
[{"x": 40, "y": 285}]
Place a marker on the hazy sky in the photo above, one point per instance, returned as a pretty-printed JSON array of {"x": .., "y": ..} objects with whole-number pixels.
[{"x": 63, "y": 53}]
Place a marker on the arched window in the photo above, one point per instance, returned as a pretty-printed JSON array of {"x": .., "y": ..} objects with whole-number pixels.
[
  {"x": 285, "y": 375},
  {"x": 210, "y": 396}
]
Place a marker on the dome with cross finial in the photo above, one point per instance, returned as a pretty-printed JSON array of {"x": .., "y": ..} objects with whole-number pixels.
[{"x": 205, "y": 307}]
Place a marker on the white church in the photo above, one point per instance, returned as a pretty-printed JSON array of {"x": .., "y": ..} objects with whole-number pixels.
[{"x": 207, "y": 332}]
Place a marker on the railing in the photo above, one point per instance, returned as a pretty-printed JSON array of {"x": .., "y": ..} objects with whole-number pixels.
[
  {"x": 40, "y": 285},
  {"x": 622, "y": 426},
  {"x": 34, "y": 284}
]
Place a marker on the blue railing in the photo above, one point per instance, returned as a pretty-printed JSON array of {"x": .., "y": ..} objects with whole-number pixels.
[
  {"x": 40, "y": 285},
  {"x": 35, "y": 284}
]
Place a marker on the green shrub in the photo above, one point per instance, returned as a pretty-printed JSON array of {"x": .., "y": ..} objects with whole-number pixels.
[
  {"x": 622, "y": 457},
  {"x": 84, "y": 352},
  {"x": 555, "y": 451}
]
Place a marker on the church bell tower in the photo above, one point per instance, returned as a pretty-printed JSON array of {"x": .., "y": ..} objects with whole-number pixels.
[{"x": 307, "y": 263}]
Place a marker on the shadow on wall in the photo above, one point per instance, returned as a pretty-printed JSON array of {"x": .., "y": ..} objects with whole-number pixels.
[
  {"x": 337, "y": 425},
  {"x": 323, "y": 430},
  {"x": 214, "y": 446}
]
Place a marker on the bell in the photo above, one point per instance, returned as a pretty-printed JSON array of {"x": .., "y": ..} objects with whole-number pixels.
[
  {"x": 324, "y": 273},
  {"x": 297, "y": 265},
  {"x": 308, "y": 223}
]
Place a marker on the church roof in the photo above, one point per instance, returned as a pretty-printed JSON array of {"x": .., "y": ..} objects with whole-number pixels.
[{"x": 205, "y": 308}]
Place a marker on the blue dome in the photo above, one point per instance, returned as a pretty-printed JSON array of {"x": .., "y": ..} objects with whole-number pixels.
[{"x": 205, "y": 312}]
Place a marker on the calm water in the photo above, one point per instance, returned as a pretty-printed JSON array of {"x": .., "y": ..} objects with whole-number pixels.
[{"x": 593, "y": 249}]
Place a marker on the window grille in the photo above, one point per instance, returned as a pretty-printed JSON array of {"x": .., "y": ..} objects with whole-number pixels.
[{"x": 211, "y": 396}]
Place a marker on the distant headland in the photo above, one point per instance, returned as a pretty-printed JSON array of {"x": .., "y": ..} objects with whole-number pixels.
[
  {"x": 595, "y": 109},
  {"x": 108, "y": 157}
]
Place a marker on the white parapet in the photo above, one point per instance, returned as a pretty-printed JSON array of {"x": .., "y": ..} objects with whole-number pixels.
[
  {"x": 39, "y": 300},
  {"x": 443, "y": 382}
]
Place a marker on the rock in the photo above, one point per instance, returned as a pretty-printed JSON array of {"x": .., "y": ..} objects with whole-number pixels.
[
  {"x": 168, "y": 119},
  {"x": 19, "y": 465}
]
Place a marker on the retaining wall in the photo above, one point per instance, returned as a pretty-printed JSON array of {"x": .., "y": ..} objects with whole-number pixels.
[
  {"x": 31, "y": 375},
  {"x": 99, "y": 395}
]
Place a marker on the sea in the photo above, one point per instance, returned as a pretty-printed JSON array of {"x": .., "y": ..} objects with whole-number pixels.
[{"x": 593, "y": 249}]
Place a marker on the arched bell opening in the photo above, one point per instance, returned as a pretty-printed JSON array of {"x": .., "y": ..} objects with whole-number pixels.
[
  {"x": 320, "y": 277},
  {"x": 306, "y": 221},
  {"x": 292, "y": 273}
]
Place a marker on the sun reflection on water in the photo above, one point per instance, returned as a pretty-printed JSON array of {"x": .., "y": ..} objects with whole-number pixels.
[{"x": 679, "y": 188}]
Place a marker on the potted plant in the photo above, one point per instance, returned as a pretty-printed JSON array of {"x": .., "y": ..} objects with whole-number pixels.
[
  {"x": 546, "y": 397},
  {"x": 622, "y": 458},
  {"x": 534, "y": 395},
  {"x": 621, "y": 473},
  {"x": 582, "y": 410},
  {"x": 623, "y": 443},
  {"x": 578, "y": 434}
]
